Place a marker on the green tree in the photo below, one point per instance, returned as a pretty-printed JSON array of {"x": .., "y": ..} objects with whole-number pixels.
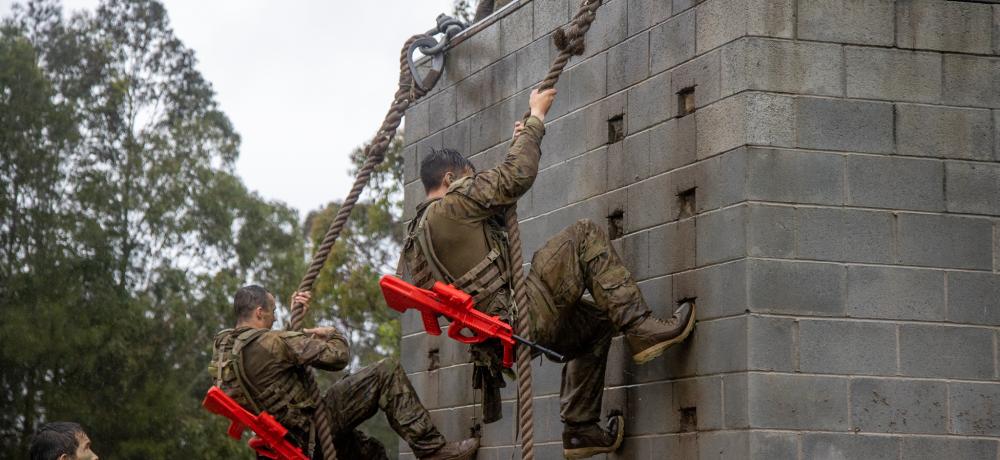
[{"x": 124, "y": 230}]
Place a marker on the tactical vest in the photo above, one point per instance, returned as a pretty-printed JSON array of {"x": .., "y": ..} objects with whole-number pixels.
[
  {"x": 287, "y": 400},
  {"x": 486, "y": 281}
]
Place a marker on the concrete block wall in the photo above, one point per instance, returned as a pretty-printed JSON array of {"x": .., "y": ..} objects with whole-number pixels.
[{"x": 829, "y": 194}]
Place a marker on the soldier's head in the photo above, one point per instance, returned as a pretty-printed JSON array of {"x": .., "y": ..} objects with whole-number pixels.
[
  {"x": 442, "y": 167},
  {"x": 61, "y": 441},
  {"x": 254, "y": 306}
]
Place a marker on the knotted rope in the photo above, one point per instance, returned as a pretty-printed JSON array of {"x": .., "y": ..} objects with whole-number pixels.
[
  {"x": 406, "y": 94},
  {"x": 570, "y": 43}
]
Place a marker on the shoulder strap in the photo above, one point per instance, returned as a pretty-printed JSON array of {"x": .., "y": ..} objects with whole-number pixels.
[
  {"x": 426, "y": 246},
  {"x": 236, "y": 360}
]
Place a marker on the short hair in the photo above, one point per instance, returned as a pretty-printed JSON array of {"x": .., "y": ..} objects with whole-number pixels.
[
  {"x": 248, "y": 298},
  {"x": 54, "y": 439},
  {"x": 440, "y": 162}
]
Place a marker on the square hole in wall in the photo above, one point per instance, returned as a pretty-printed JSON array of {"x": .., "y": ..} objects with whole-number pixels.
[
  {"x": 616, "y": 128},
  {"x": 434, "y": 358},
  {"x": 616, "y": 224},
  {"x": 689, "y": 419},
  {"x": 685, "y": 101},
  {"x": 687, "y": 202}
]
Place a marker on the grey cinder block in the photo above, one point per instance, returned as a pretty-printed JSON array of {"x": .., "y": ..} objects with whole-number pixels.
[
  {"x": 455, "y": 385},
  {"x": 672, "y": 42},
  {"x": 944, "y": 241},
  {"x": 647, "y": 405},
  {"x": 772, "y": 445},
  {"x": 672, "y": 248},
  {"x": 866, "y": 22},
  {"x": 771, "y": 344},
  {"x": 898, "y": 406},
  {"x": 877, "y": 73},
  {"x": 928, "y": 448},
  {"x": 720, "y": 126},
  {"x": 795, "y": 176},
  {"x": 798, "y": 402},
  {"x": 847, "y": 347},
  {"x": 549, "y": 14},
  {"x": 973, "y": 408},
  {"x": 649, "y": 103},
  {"x": 845, "y": 235},
  {"x": 973, "y": 188},
  {"x": 516, "y": 30},
  {"x": 673, "y": 144},
  {"x": 962, "y": 27},
  {"x": 609, "y": 29},
  {"x": 628, "y": 63},
  {"x": 771, "y": 231},
  {"x": 721, "y": 345},
  {"x": 974, "y": 298},
  {"x": 895, "y": 183},
  {"x": 719, "y": 22},
  {"x": 959, "y": 352},
  {"x": 643, "y": 14},
  {"x": 895, "y": 293},
  {"x": 734, "y": 389},
  {"x": 723, "y": 445},
  {"x": 769, "y": 120},
  {"x": 722, "y": 180},
  {"x": 842, "y": 445},
  {"x": 970, "y": 81},
  {"x": 720, "y": 289},
  {"x": 722, "y": 235},
  {"x": 944, "y": 132},
  {"x": 796, "y": 287},
  {"x": 651, "y": 202},
  {"x": 855, "y": 126},
  {"x": 783, "y": 66},
  {"x": 771, "y": 18}
]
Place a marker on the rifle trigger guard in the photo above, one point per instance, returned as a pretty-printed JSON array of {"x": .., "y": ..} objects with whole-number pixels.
[{"x": 455, "y": 332}]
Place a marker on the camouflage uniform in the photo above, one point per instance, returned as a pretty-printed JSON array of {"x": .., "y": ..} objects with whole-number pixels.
[
  {"x": 457, "y": 234},
  {"x": 264, "y": 370}
]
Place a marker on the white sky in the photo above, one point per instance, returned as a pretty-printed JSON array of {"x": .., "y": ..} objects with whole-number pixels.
[{"x": 304, "y": 81}]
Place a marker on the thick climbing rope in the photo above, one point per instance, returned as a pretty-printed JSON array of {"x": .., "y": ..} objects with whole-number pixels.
[
  {"x": 570, "y": 43},
  {"x": 406, "y": 94}
]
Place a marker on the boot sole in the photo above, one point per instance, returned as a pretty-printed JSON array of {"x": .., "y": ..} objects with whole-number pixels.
[
  {"x": 584, "y": 452},
  {"x": 652, "y": 352}
]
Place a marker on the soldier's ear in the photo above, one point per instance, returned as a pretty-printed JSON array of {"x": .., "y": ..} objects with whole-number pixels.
[{"x": 449, "y": 177}]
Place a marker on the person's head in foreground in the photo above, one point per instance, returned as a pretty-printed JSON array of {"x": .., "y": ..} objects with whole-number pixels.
[
  {"x": 254, "y": 307},
  {"x": 61, "y": 441}
]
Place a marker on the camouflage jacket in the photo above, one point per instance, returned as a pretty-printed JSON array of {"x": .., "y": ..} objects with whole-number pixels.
[
  {"x": 266, "y": 370},
  {"x": 460, "y": 239}
]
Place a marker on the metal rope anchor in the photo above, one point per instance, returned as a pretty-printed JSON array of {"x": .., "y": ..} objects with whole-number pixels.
[{"x": 429, "y": 46}]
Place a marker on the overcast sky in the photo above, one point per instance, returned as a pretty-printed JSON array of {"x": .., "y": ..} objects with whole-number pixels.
[{"x": 303, "y": 81}]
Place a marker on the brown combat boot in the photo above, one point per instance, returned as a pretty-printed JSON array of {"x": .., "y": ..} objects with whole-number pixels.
[
  {"x": 590, "y": 439},
  {"x": 652, "y": 336},
  {"x": 458, "y": 450}
]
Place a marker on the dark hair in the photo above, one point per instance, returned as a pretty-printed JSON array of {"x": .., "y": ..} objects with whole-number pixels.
[
  {"x": 440, "y": 162},
  {"x": 248, "y": 298},
  {"x": 55, "y": 439}
]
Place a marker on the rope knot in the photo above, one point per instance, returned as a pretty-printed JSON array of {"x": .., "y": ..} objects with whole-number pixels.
[{"x": 569, "y": 42}]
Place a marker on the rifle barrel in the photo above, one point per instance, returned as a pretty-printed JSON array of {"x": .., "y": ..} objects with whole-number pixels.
[{"x": 553, "y": 355}]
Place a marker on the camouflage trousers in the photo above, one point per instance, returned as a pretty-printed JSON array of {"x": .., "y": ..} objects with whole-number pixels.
[
  {"x": 359, "y": 396},
  {"x": 576, "y": 259}
]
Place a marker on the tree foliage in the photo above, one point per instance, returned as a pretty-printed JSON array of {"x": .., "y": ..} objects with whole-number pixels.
[{"x": 124, "y": 231}]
